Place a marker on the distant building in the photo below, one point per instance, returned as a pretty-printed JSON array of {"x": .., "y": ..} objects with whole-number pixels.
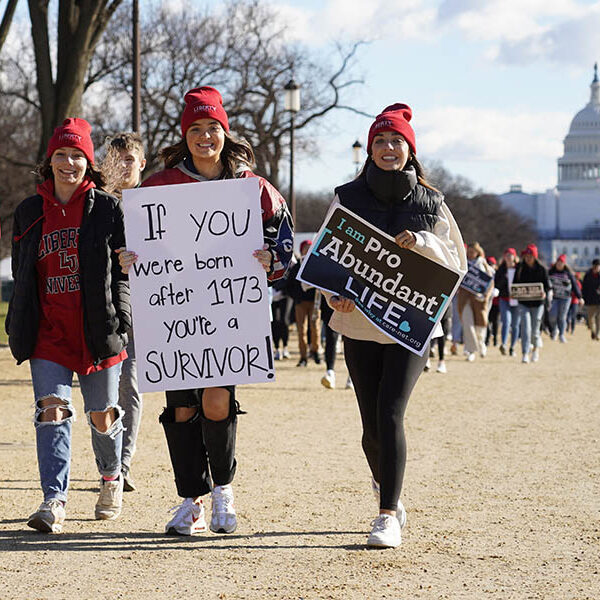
[{"x": 567, "y": 217}]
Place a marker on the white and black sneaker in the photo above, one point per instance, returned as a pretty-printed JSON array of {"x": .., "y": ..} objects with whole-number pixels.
[
  {"x": 224, "y": 519},
  {"x": 49, "y": 517},
  {"x": 188, "y": 518}
]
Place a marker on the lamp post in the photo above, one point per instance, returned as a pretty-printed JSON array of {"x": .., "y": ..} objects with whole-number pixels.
[
  {"x": 356, "y": 155},
  {"x": 292, "y": 105},
  {"x": 135, "y": 58}
]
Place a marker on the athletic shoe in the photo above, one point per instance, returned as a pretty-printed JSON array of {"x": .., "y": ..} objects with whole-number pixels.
[
  {"x": 483, "y": 351},
  {"x": 386, "y": 532},
  {"x": 525, "y": 358},
  {"x": 328, "y": 380},
  {"x": 223, "y": 518},
  {"x": 540, "y": 342},
  {"x": 535, "y": 355},
  {"x": 276, "y": 356},
  {"x": 315, "y": 356},
  {"x": 503, "y": 349},
  {"x": 128, "y": 482},
  {"x": 349, "y": 384},
  {"x": 188, "y": 518},
  {"x": 471, "y": 357},
  {"x": 110, "y": 500},
  {"x": 302, "y": 363},
  {"x": 554, "y": 336},
  {"x": 441, "y": 368},
  {"x": 285, "y": 354},
  {"x": 562, "y": 339},
  {"x": 427, "y": 365},
  {"x": 49, "y": 517},
  {"x": 400, "y": 511},
  {"x": 511, "y": 352}
]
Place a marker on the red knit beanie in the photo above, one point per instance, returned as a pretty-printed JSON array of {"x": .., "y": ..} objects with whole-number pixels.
[
  {"x": 531, "y": 249},
  {"x": 396, "y": 118},
  {"x": 73, "y": 133},
  {"x": 203, "y": 103},
  {"x": 510, "y": 251},
  {"x": 563, "y": 258}
]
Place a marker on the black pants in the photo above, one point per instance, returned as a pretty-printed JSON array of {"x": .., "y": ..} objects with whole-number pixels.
[
  {"x": 492, "y": 330},
  {"x": 200, "y": 449},
  {"x": 445, "y": 322},
  {"x": 331, "y": 336},
  {"x": 280, "y": 326},
  {"x": 384, "y": 376}
]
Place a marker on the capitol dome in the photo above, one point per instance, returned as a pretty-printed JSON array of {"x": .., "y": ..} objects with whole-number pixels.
[{"x": 579, "y": 167}]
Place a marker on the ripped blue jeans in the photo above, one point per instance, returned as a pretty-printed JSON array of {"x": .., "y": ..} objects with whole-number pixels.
[{"x": 100, "y": 391}]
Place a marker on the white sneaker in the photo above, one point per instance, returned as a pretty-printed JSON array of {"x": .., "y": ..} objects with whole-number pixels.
[
  {"x": 535, "y": 355},
  {"x": 188, "y": 518},
  {"x": 441, "y": 368},
  {"x": 349, "y": 384},
  {"x": 328, "y": 380},
  {"x": 110, "y": 500},
  {"x": 400, "y": 511},
  {"x": 285, "y": 354},
  {"x": 483, "y": 351},
  {"x": 223, "y": 518},
  {"x": 471, "y": 357},
  {"x": 563, "y": 339},
  {"x": 525, "y": 358},
  {"x": 386, "y": 532},
  {"x": 276, "y": 356},
  {"x": 49, "y": 517}
]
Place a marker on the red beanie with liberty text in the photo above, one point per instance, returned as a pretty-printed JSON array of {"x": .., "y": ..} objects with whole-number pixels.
[
  {"x": 203, "y": 103},
  {"x": 396, "y": 118},
  {"x": 73, "y": 133}
]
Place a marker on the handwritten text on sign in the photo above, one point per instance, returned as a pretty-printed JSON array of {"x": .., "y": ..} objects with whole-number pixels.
[
  {"x": 401, "y": 292},
  {"x": 199, "y": 297}
]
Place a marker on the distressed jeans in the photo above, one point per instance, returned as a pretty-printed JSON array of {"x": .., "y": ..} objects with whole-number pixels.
[
  {"x": 531, "y": 320},
  {"x": 53, "y": 438},
  {"x": 130, "y": 400}
]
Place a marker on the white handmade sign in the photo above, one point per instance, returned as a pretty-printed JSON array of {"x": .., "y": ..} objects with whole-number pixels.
[{"x": 199, "y": 297}]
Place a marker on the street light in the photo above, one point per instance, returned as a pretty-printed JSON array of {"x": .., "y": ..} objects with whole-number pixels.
[
  {"x": 357, "y": 155},
  {"x": 292, "y": 105}
]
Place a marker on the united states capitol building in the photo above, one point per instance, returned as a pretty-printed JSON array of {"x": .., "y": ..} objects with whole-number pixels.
[{"x": 567, "y": 217}]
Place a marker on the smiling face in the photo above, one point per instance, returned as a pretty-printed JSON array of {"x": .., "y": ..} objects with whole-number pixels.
[
  {"x": 205, "y": 139},
  {"x": 68, "y": 166},
  {"x": 390, "y": 151}
]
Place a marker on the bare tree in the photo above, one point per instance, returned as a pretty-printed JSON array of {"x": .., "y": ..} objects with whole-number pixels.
[
  {"x": 9, "y": 13},
  {"x": 79, "y": 28}
]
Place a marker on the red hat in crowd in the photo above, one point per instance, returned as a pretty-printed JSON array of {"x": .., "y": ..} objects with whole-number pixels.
[
  {"x": 510, "y": 251},
  {"x": 305, "y": 244},
  {"x": 396, "y": 118},
  {"x": 492, "y": 260},
  {"x": 73, "y": 133},
  {"x": 531, "y": 249},
  {"x": 563, "y": 258},
  {"x": 203, "y": 103}
]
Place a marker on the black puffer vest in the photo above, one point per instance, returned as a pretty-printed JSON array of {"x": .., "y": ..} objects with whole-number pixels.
[{"x": 392, "y": 200}]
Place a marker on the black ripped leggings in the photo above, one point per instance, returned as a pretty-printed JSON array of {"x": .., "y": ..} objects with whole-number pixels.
[{"x": 384, "y": 376}]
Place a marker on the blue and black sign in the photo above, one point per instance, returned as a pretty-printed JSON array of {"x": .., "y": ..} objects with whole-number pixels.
[
  {"x": 476, "y": 281},
  {"x": 401, "y": 292}
]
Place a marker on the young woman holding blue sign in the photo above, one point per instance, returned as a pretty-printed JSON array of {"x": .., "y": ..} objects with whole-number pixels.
[
  {"x": 68, "y": 314},
  {"x": 200, "y": 424},
  {"x": 392, "y": 194}
]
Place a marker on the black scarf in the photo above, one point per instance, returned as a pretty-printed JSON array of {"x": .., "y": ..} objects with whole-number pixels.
[{"x": 390, "y": 186}]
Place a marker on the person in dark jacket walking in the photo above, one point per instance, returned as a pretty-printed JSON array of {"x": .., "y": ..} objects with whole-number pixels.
[
  {"x": 563, "y": 285},
  {"x": 590, "y": 290},
  {"x": 509, "y": 307},
  {"x": 200, "y": 424},
  {"x": 392, "y": 194},
  {"x": 531, "y": 270},
  {"x": 68, "y": 314}
]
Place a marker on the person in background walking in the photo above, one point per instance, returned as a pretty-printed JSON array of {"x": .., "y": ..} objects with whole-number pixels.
[
  {"x": 576, "y": 302},
  {"x": 590, "y": 290},
  {"x": 200, "y": 424},
  {"x": 494, "y": 312},
  {"x": 125, "y": 156},
  {"x": 69, "y": 313},
  {"x": 509, "y": 307},
  {"x": 563, "y": 285},
  {"x": 531, "y": 270},
  {"x": 281, "y": 309},
  {"x": 392, "y": 194}
]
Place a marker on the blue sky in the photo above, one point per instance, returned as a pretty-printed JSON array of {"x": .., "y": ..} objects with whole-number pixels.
[{"x": 493, "y": 84}]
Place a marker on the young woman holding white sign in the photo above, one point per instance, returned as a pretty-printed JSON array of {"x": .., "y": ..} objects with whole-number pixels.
[
  {"x": 200, "y": 424},
  {"x": 392, "y": 194},
  {"x": 69, "y": 313}
]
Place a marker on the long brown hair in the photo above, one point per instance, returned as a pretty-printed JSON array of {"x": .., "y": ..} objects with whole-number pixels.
[
  {"x": 43, "y": 171},
  {"x": 411, "y": 162},
  {"x": 236, "y": 152}
]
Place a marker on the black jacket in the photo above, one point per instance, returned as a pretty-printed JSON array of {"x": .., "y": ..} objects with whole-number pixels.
[
  {"x": 104, "y": 288},
  {"x": 590, "y": 288},
  {"x": 535, "y": 274},
  {"x": 501, "y": 280},
  {"x": 392, "y": 200}
]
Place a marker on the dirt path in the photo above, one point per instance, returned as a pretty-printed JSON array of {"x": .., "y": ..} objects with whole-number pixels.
[{"x": 502, "y": 493}]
